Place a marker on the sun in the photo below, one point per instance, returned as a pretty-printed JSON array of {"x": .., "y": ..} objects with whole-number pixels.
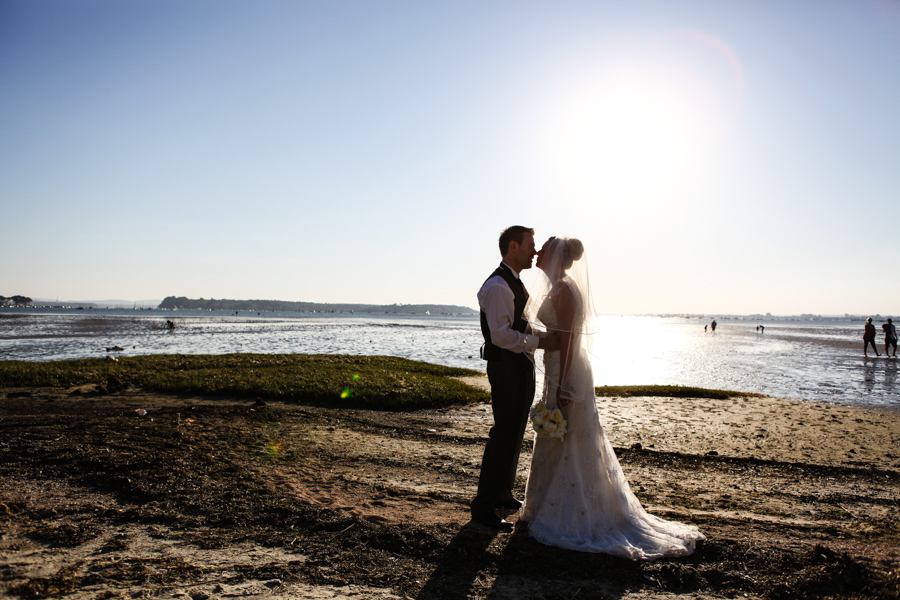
[{"x": 641, "y": 126}]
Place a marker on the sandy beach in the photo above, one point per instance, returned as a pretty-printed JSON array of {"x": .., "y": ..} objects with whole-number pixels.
[{"x": 219, "y": 498}]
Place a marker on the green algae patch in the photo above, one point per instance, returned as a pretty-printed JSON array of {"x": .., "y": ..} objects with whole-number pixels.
[
  {"x": 366, "y": 382},
  {"x": 666, "y": 391}
]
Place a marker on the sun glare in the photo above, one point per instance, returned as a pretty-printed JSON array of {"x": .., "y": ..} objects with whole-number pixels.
[{"x": 643, "y": 125}]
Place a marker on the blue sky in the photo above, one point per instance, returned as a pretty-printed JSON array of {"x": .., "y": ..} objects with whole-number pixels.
[{"x": 715, "y": 157}]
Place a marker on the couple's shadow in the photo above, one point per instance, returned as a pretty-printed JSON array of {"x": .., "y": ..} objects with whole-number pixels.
[{"x": 480, "y": 562}]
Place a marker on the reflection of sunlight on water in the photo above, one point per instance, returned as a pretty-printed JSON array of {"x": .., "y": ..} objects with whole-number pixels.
[{"x": 632, "y": 350}]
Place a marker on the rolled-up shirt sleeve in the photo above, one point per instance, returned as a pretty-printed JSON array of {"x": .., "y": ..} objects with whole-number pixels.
[{"x": 498, "y": 303}]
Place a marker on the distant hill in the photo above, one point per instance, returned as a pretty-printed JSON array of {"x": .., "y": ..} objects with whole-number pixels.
[
  {"x": 95, "y": 303},
  {"x": 181, "y": 302}
]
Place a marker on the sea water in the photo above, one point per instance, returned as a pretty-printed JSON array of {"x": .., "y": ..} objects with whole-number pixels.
[{"x": 816, "y": 360}]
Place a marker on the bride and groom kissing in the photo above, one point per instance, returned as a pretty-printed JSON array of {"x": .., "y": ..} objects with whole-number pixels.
[{"x": 577, "y": 496}]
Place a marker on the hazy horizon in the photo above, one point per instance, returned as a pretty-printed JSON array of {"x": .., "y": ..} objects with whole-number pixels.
[
  {"x": 153, "y": 303},
  {"x": 715, "y": 158}
]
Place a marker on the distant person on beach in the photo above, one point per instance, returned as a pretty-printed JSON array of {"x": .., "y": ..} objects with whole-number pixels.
[
  {"x": 713, "y": 326},
  {"x": 705, "y": 328},
  {"x": 890, "y": 337},
  {"x": 170, "y": 324},
  {"x": 869, "y": 338},
  {"x": 762, "y": 328}
]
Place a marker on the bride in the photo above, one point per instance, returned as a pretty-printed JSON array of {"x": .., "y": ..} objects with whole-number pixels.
[{"x": 577, "y": 496}]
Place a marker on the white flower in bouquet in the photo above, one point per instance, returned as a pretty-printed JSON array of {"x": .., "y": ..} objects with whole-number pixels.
[
  {"x": 548, "y": 423},
  {"x": 560, "y": 432}
]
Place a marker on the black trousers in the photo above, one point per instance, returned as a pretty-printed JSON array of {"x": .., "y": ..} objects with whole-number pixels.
[{"x": 512, "y": 392}]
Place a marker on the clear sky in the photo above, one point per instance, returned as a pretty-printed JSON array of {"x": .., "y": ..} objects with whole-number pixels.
[{"x": 715, "y": 157}]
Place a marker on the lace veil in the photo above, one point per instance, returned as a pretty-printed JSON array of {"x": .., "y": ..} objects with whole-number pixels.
[{"x": 564, "y": 281}]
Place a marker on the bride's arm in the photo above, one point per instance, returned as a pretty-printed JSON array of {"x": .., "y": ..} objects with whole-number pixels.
[{"x": 564, "y": 303}]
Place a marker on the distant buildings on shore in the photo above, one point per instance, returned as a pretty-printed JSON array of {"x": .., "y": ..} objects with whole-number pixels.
[{"x": 15, "y": 301}]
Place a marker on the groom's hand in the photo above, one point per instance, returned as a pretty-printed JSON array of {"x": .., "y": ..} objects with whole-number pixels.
[{"x": 550, "y": 342}]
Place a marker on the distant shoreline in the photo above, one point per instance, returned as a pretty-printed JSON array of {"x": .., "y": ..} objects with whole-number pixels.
[
  {"x": 435, "y": 309},
  {"x": 172, "y": 302},
  {"x": 181, "y": 303}
]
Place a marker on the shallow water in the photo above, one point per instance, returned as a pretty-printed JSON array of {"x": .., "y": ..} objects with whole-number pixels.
[
  {"x": 822, "y": 362},
  {"x": 816, "y": 361}
]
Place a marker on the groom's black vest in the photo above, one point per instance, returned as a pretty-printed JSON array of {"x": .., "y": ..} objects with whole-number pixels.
[{"x": 490, "y": 351}]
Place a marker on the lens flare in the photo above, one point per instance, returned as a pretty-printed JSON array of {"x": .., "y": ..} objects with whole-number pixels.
[
  {"x": 346, "y": 393},
  {"x": 275, "y": 448}
]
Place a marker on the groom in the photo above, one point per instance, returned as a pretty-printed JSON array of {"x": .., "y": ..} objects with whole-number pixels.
[{"x": 508, "y": 345}]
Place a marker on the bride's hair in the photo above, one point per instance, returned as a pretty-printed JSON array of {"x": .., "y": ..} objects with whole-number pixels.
[
  {"x": 572, "y": 249},
  {"x": 564, "y": 259}
]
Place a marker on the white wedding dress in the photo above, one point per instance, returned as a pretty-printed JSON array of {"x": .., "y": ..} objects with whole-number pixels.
[{"x": 577, "y": 496}]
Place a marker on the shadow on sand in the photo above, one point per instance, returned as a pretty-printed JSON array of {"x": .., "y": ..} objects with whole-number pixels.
[{"x": 480, "y": 563}]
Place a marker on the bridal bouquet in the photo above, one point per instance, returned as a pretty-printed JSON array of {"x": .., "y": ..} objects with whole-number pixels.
[{"x": 548, "y": 423}]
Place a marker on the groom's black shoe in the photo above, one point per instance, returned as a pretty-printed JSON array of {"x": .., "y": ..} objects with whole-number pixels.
[
  {"x": 510, "y": 503},
  {"x": 493, "y": 521}
]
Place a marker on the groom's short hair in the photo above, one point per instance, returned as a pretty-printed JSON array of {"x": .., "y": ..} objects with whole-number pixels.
[{"x": 513, "y": 234}]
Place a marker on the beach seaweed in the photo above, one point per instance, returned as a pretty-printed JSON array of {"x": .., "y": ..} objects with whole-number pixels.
[
  {"x": 203, "y": 486},
  {"x": 666, "y": 391},
  {"x": 372, "y": 382}
]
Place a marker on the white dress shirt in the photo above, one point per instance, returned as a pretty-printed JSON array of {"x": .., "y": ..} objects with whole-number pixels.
[{"x": 498, "y": 303}]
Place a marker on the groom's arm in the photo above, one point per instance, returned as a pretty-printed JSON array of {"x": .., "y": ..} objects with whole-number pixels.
[{"x": 498, "y": 303}]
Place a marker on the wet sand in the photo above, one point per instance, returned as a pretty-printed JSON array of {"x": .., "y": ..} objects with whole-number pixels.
[
  {"x": 792, "y": 431},
  {"x": 218, "y": 498}
]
